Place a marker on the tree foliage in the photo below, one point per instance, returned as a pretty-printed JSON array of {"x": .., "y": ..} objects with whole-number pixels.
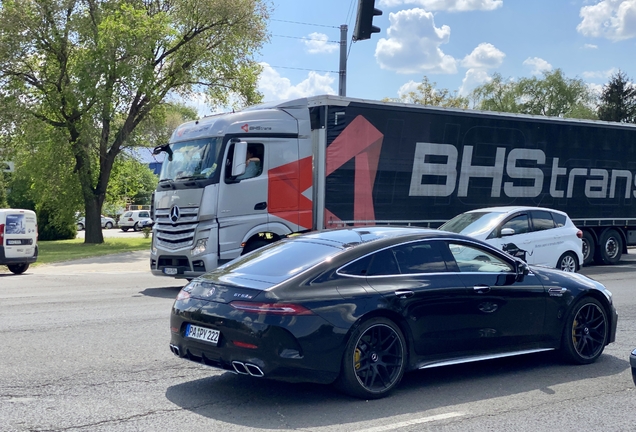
[
  {"x": 618, "y": 100},
  {"x": 552, "y": 95},
  {"x": 94, "y": 70},
  {"x": 426, "y": 93}
]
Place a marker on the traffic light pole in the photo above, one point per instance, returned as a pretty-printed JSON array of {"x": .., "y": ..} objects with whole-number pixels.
[{"x": 342, "y": 88}]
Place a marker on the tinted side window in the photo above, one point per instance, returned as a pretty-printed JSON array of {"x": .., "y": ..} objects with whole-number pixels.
[
  {"x": 518, "y": 223},
  {"x": 559, "y": 219},
  {"x": 471, "y": 259},
  {"x": 417, "y": 258},
  {"x": 383, "y": 263},
  {"x": 541, "y": 220},
  {"x": 357, "y": 268},
  {"x": 144, "y": 214}
]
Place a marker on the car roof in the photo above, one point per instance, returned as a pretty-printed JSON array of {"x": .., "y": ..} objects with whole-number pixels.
[
  {"x": 353, "y": 236},
  {"x": 512, "y": 209}
]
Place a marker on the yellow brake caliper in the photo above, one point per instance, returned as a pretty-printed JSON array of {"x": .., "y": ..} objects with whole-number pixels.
[
  {"x": 574, "y": 325},
  {"x": 356, "y": 359}
]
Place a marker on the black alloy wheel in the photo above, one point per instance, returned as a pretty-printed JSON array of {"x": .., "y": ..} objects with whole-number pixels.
[
  {"x": 568, "y": 262},
  {"x": 18, "y": 268},
  {"x": 374, "y": 360},
  {"x": 586, "y": 331}
]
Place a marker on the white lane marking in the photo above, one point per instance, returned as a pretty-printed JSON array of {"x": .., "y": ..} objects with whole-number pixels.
[{"x": 403, "y": 424}]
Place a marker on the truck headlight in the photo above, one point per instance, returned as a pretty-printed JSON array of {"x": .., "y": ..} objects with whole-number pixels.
[{"x": 200, "y": 247}]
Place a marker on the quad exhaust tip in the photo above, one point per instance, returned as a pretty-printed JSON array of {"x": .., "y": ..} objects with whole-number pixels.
[
  {"x": 175, "y": 350},
  {"x": 247, "y": 369}
]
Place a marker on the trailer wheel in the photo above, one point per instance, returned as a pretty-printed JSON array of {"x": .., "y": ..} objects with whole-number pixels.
[
  {"x": 588, "y": 248},
  {"x": 610, "y": 247}
]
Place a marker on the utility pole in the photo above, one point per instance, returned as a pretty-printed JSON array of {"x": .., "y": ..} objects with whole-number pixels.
[{"x": 342, "y": 88}]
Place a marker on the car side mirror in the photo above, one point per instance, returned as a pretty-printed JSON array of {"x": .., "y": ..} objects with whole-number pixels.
[
  {"x": 521, "y": 270},
  {"x": 507, "y": 232}
]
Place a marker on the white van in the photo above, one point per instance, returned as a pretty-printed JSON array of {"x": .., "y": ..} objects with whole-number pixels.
[{"x": 18, "y": 239}]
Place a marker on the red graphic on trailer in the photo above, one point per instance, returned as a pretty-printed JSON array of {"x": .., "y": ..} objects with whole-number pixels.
[
  {"x": 245, "y": 127},
  {"x": 361, "y": 141}
]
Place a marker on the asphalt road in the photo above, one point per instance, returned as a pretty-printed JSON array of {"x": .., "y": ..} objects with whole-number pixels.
[{"x": 84, "y": 347}]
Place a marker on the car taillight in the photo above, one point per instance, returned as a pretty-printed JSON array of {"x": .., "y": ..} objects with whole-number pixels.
[
  {"x": 1, "y": 234},
  {"x": 130, "y": 219},
  {"x": 579, "y": 234},
  {"x": 271, "y": 308}
]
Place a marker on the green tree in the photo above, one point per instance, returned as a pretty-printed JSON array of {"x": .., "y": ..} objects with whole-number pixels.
[
  {"x": 618, "y": 100},
  {"x": 426, "y": 93},
  {"x": 552, "y": 95},
  {"x": 130, "y": 180},
  {"x": 95, "y": 70}
]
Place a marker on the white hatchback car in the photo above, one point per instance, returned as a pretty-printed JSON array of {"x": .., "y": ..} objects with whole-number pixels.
[
  {"x": 538, "y": 235},
  {"x": 135, "y": 219}
]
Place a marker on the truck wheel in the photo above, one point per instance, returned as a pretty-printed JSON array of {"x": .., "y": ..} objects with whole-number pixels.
[
  {"x": 588, "y": 248},
  {"x": 374, "y": 360},
  {"x": 18, "y": 268},
  {"x": 585, "y": 332},
  {"x": 253, "y": 246},
  {"x": 610, "y": 247},
  {"x": 567, "y": 262}
]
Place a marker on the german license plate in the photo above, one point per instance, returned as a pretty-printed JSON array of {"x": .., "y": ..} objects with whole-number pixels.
[
  {"x": 202, "y": 333},
  {"x": 14, "y": 242},
  {"x": 170, "y": 270}
]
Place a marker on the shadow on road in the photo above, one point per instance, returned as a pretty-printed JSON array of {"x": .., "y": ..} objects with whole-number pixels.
[
  {"x": 260, "y": 403},
  {"x": 162, "y": 292}
]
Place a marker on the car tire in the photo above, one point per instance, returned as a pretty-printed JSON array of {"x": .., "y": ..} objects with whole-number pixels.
[
  {"x": 610, "y": 247},
  {"x": 109, "y": 225},
  {"x": 374, "y": 360},
  {"x": 136, "y": 227},
  {"x": 18, "y": 268},
  {"x": 80, "y": 227},
  {"x": 589, "y": 245},
  {"x": 568, "y": 262},
  {"x": 585, "y": 333},
  {"x": 124, "y": 229}
]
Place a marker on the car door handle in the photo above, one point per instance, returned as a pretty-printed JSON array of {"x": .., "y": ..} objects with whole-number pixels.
[
  {"x": 481, "y": 289},
  {"x": 260, "y": 206},
  {"x": 404, "y": 293}
]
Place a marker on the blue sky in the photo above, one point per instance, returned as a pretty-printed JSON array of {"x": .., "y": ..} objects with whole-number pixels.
[{"x": 457, "y": 44}]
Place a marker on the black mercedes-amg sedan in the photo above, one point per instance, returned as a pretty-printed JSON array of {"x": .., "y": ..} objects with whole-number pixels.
[{"x": 359, "y": 307}]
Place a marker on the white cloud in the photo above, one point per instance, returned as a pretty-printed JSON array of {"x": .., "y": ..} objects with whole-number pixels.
[
  {"x": 599, "y": 74},
  {"x": 276, "y": 87},
  {"x": 318, "y": 43},
  {"x": 447, "y": 5},
  {"x": 413, "y": 44},
  {"x": 485, "y": 56},
  {"x": 407, "y": 88},
  {"x": 538, "y": 65},
  {"x": 590, "y": 46},
  {"x": 611, "y": 19},
  {"x": 472, "y": 79}
]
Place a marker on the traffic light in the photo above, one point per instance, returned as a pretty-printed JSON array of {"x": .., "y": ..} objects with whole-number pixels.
[{"x": 364, "y": 21}]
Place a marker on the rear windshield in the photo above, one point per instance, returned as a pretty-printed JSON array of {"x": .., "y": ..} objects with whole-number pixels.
[{"x": 279, "y": 262}]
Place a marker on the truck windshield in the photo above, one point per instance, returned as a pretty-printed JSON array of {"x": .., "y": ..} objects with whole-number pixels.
[{"x": 196, "y": 159}]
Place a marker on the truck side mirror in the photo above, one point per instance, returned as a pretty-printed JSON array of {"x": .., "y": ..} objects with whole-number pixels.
[{"x": 239, "y": 158}]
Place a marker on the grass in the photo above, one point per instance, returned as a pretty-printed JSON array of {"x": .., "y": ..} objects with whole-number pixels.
[{"x": 66, "y": 250}]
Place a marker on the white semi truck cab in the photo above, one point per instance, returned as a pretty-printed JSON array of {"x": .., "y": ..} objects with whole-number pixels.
[{"x": 212, "y": 204}]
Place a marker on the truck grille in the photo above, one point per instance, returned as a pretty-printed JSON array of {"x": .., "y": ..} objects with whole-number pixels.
[{"x": 169, "y": 235}]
